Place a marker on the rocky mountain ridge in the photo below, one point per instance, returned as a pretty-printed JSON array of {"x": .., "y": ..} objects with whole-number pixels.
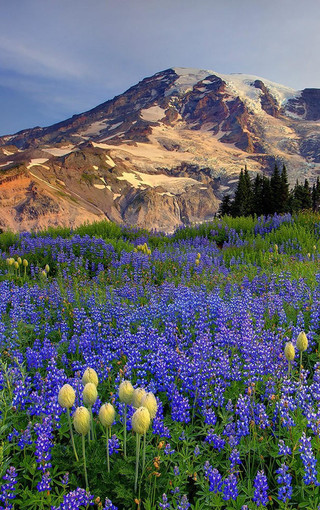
[{"x": 160, "y": 155}]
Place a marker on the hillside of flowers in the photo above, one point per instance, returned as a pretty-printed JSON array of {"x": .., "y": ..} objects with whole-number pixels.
[{"x": 147, "y": 371}]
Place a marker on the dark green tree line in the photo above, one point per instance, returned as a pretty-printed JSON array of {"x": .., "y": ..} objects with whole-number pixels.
[{"x": 264, "y": 195}]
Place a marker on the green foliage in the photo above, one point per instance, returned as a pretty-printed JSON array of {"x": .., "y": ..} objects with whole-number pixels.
[
  {"x": 265, "y": 195},
  {"x": 287, "y": 252},
  {"x": 8, "y": 239}
]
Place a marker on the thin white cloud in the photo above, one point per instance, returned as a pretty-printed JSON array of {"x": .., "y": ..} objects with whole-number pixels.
[{"x": 19, "y": 57}]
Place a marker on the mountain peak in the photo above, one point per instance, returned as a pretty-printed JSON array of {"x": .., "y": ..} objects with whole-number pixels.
[{"x": 161, "y": 154}]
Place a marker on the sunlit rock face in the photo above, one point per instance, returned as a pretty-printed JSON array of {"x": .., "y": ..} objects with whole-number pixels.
[{"x": 160, "y": 155}]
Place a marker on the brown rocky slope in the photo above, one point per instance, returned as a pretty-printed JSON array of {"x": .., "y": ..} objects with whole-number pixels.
[{"x": 160, "y": 155}]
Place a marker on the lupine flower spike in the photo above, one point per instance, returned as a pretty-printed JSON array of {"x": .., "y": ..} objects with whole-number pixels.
[
  {"x": 125, "y": 395},
  {"x": 66, "y": 399}
]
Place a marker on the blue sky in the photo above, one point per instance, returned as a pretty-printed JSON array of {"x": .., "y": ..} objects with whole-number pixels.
[{"x": 61, "y": 57}]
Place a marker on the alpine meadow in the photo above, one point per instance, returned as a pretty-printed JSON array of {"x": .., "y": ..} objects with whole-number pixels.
[{"x": 153, "y": 371}]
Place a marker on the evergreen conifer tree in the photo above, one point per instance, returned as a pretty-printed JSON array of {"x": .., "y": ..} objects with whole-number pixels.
[
  {"x": 276, "y": 191},
  {"x": 225, "y": 206},
  {"x": 284, "y": 196},
  {"x": 257, "y": 196},
  {"x": 266, "y": 196},
  {"x": 242, "y": 203},
  {"x": 307, "y": 197},
  {"x": 316, "y": 195}
]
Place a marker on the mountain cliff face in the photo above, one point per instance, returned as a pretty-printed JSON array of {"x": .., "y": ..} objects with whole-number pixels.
[{"x": 160, "y": 155}]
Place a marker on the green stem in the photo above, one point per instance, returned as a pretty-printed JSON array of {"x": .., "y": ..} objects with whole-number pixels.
[
  {"x": 144, "y": 452},
  {"x": 84, "y": 462},
  {"x": 137, "y": 461},
  {"x": 91, "y": 424},
  {"x": 125, "y": 432},
  {"x": 108, "y": 460},
  {"x": 300, "y": 366},
  {"x": 71, "y": 433}
]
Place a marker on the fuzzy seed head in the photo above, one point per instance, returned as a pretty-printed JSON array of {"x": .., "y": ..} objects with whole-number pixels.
[
  {"x": 89, "y": 394},
  {"x": 302, "y": 342},
  {"x": 66, "y": 396},
  {"x": 140, "y": 420},
  {"x": 289, "y": 351},
  {"x": 19, "y": 260},
  {"x": 107, "y": 414},
  {"x": 150, "y": 403},
  {"x": 25, "y": 262},
  {"x": 81, "y": 420},
  {"x": 47, "y": 268},
  {"x": 137, "y": 395},
  {"x": 90, "y": 375},
  {"x": 16, "y": 265},
  {"x": 126, "y": 392}
]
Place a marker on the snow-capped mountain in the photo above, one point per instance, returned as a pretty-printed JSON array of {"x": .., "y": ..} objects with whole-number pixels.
[{"x": 159, "y": 155}]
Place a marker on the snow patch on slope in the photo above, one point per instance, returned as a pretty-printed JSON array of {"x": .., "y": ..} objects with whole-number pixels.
[
  {"x": 38, "y": 162},
  {"x": 59, "y": 151},
  {"x": 238, "y": 84},
  {"x": 188, "y": 77},
  {"x": 137, "y": 179},
  {"x": 152, "y": 114},
  {"x": 95, "y": 128}
]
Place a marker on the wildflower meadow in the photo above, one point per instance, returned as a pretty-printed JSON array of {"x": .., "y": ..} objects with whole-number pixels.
[{"x": 147, "y": 371}]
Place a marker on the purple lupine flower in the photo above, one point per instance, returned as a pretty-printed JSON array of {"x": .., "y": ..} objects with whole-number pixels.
[
  {"x": 108, "y": 505},
  {"x": 113, "y": 444},
  {"x": 8, "y": 488},
  {"x": 260, "y": 484},
  {"x": 44, "y": 484},
  {"x": 210, "y": 417},
  {"x": 158, "y": 426},
  {"x": 229, "y": 406},
  {"x": 215, "y": 440},
  {"x": 184, "y": 503},
  {"x": 196, "y": 451},
  {"x": 76, "y": 500},
  {"x": 168, "y": 450},
  {"x": 230, "y": 489},
  {"x": 214, "y": 478},
  {"x": 283, "y": 449},
  {"x": 180, "y": 408},
  {"x": 284, "y": 480},
  {"x": 309, "y": 461},
  {"x": 65, "y": 479},
  {"x": 44, "y": 443},
  {"x": 164, "y": 505},
  {"x": 243, "y": 412},
  {"x": 25, "y": 437},
  {"x": 234, "y": 460}
]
